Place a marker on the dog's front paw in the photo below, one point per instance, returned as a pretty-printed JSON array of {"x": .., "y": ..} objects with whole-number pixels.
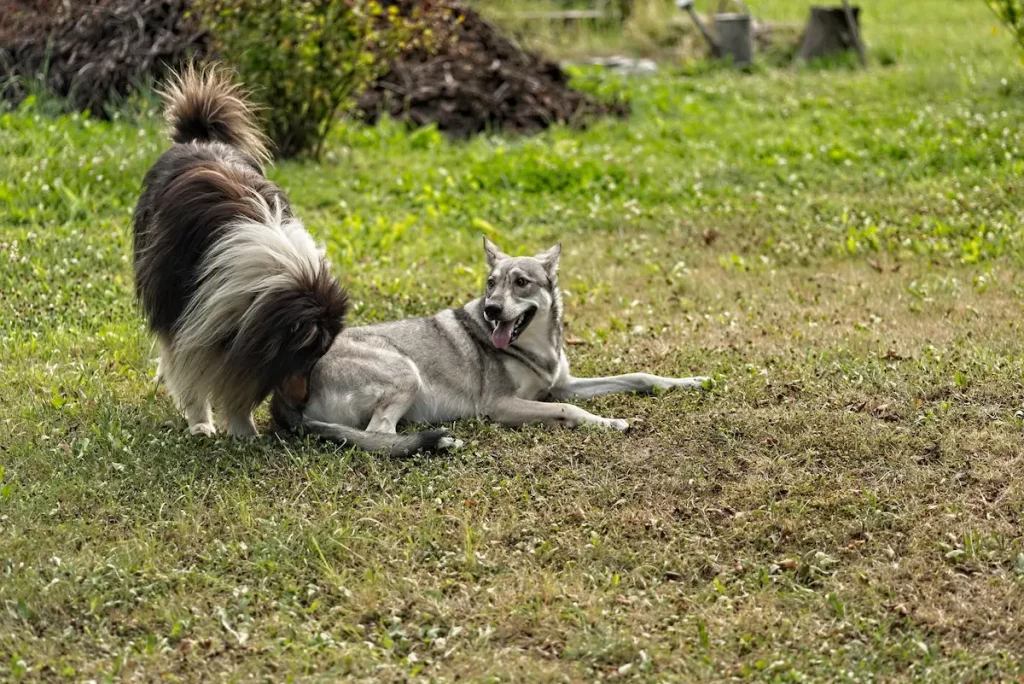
[
  {"x": 691, "y": 383},
  {"x": 242, "y": 428},
  {"x": 617, "y": 424},
  {"x": 204, "y": 429}
]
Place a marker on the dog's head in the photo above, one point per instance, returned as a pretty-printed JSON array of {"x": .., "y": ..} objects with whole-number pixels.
[
  {"x": 286, "y": 333},
  {"x": 519, "y": 291}
]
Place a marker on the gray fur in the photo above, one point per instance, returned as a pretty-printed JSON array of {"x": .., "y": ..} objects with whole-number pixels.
[
  {"x": 289, "y": 416},
  {"x": 448, "y": 367}
]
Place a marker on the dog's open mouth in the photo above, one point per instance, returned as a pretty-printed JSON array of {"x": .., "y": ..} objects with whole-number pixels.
[{"x": 506, "y": 332}]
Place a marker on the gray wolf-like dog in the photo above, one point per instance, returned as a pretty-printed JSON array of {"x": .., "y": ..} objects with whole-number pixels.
[{"x": 501, "y": 356}]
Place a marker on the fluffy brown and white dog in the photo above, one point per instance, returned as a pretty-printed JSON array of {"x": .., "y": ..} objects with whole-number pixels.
[{"x": 234, "y": 287}]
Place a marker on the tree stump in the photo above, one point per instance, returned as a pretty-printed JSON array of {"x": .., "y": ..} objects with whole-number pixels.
[
  {"x": 734, "y": 37},
  {"x": 828, "y": 32}
]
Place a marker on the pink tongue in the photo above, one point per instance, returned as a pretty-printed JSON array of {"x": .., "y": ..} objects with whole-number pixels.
[{"x": 502, "y": 336}]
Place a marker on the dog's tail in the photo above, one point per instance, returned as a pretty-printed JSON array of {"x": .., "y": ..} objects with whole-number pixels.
[
  {"x": 395, "y": 445},
  {"x": 289, "y": 417},
  {"x": 206, "y": 105}
]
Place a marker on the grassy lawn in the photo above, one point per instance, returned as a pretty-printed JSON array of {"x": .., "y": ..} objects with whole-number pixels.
[{"x": 838, "y": 248}]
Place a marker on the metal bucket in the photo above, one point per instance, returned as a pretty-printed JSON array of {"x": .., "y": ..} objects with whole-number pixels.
[{"x": 735, "y": 38}]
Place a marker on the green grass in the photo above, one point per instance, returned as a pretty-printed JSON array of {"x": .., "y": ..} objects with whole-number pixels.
[
  {"x": 893, "y": 31},
  {"x": 839, "y": 249}
]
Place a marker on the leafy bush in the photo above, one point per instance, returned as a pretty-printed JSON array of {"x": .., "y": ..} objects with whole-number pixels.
[
  {"x": 307, "y": 60},
  {"x": 1011, "y": 13}
]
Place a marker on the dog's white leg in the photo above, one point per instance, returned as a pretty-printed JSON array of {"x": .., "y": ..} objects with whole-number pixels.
[
  {"x": 240, "y": 424},
  {"x": 588, "y": 388},
  {"x": 514, "y": 412},
  {"x": 199, "y": 417},
  {"x": 190, "y": 400}
]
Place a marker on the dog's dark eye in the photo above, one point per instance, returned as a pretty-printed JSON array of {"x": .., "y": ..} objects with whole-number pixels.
[
  {"x": 490, "y": 283},
  {"x": 522, "y": 282}
]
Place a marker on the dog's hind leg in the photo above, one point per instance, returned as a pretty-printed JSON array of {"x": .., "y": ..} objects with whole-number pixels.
[
  {"x": 385, "y": 419},
  {"x": 394, "y": 402},
  {"x": 588, "y": 388}
]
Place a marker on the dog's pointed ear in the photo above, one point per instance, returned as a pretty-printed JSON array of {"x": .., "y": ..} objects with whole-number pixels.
[
  {"x": 494, "y": 255},
  {"x": 550, "y": 259}
]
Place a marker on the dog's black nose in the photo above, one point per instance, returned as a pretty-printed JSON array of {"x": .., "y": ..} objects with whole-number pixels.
[{"x": 492, "y": 312}]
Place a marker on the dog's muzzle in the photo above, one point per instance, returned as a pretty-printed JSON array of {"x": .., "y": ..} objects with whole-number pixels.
[{"x": 505, "y": 332}]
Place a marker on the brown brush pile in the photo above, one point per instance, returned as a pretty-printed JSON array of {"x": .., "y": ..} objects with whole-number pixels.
[
  {"x": 93, "y": 51},
  {"x": 474, "y": 79},
  {"x": 477, "y": 80}
]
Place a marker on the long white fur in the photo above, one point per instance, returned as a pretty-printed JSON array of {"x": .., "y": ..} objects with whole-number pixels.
[{"x": 253, "y": 261}]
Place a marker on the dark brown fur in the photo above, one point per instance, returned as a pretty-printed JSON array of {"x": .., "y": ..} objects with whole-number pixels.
[
  {"x": 189, "y": 197},
  {"x": 312, "y": 316}
]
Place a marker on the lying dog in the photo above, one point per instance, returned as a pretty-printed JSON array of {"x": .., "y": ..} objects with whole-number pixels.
[
  {"x": 235, "y": 289},
  {"x": 499, "y": 356}
]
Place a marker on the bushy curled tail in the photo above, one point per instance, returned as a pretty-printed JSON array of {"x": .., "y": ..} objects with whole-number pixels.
[{"x": 205, "y": 104}]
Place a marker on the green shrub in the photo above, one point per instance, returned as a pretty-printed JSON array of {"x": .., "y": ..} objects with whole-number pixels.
[
  {"x": 307, "y": 60},
  {"x": 1011, "y": 13}
]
